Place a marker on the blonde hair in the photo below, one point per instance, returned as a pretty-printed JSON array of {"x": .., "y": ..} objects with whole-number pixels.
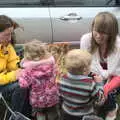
[
  {"x": 105, "y": 22},
  {"x": 76, "y": 61},
  {"x": 36, "y": 50}
]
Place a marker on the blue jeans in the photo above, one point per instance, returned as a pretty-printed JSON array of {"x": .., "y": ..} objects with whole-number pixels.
[
  {"x": 18, "y": 97},
  {"x": 8, "y": 89},
  {"x": 20, "y": 101}
]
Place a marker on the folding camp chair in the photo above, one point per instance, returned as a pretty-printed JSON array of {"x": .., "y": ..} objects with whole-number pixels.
[{"x": 14, "y": 115}]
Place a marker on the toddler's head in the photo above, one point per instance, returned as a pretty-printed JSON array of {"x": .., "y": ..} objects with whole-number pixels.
[
  {"x": 78, "y": 62},
  {"x": 36, "y": 50}
]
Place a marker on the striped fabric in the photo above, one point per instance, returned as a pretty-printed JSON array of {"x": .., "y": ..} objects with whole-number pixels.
[{"x": 78, "y": 93}]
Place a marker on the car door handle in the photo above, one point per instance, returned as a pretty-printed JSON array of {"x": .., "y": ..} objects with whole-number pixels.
[{"x": 71, "y": 16}]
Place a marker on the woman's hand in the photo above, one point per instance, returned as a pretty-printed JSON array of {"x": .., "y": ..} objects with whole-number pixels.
[{"x": 98, "y": 78}]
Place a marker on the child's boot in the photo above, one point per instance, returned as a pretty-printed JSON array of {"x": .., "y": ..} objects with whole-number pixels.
[
  {"x": 41, "y": 116},
  {"x": 112, "y": 114}
]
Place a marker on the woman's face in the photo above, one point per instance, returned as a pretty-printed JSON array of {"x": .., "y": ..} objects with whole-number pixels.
[
  {"x": 5, "y": 36},
  {"x": 100, "y": 37}
]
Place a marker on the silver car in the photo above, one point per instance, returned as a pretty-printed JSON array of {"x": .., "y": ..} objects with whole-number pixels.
[{"x": 55, "y": 20}]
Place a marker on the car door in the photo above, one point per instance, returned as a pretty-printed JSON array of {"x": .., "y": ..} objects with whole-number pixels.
[
  {"x": 72, "y": 18},
  {"x": 33, "y": 17}
]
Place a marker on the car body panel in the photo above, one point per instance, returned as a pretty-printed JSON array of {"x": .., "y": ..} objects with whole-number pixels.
[
  {"x": 72, "y": 30},
  {"x": 54, "y": 24},
  {"x": 35, "y": 22}
]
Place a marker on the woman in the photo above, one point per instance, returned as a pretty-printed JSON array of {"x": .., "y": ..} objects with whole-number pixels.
[
  {"x": 103, "y": 42},
  {"x": 9, "y": 64},
  {"x": 8, "y": 57}
]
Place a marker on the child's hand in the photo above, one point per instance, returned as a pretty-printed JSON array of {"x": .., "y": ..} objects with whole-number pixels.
[
  {"x": 101, "y": 100},
  {"x": 18, "y": 72},
  {"x": 98, "y": 78}
]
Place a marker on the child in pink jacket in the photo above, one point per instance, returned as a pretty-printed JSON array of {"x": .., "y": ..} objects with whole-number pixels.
[{"x": 39, "y": 73}]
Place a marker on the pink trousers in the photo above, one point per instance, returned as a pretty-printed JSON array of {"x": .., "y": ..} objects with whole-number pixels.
[{"x": 114, "y": 83}]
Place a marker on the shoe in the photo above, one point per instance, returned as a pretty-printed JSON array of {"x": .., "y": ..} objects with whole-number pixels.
[
  {"x": 110, "y": 118},
  {"x": 92, "y": 117},
  {"x": 112, "y": 114}
]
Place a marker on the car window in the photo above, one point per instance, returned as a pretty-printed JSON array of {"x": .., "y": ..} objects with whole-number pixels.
[
  {"x": 29, "y": 3},
  {"x": 22, "y": 3},
  {"x": 86, "y": 2}
]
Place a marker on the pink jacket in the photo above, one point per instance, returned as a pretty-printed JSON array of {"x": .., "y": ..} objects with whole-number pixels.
[{"x": 40, "y": 78}]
